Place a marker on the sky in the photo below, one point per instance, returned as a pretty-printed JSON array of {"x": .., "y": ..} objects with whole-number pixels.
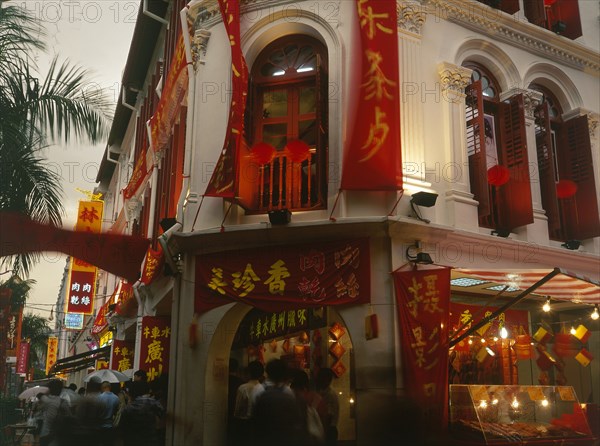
[{"x": 94, "y": 35}]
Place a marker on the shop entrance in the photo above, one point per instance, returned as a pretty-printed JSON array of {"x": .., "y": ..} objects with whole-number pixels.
[{"x": 306, "y": 339}]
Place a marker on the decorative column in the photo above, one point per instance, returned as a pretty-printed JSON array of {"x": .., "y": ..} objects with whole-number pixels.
[
  {"x": 461, "y": 207},
  {"x": 537, "y": 232},
  {"x": 411, "y": 17}
]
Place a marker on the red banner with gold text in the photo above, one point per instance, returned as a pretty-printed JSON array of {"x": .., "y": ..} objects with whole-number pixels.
[
  {"x": 423, "y": 303},
  {"x": 223, "y": 180},
  {"x": 122, "y": 355},
  {"x": 372, "y": 153},
  {"x": 291, "y": 276},
  {"x": 155, "y": 346}
]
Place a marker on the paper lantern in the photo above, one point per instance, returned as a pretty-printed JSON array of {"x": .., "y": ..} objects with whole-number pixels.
[
  {"x": 542, "y": 335},
  {"x": 566, "y": 188},
  {"x": 263, "y": 152},
  {"x": 523, "y": 347},
  {"x": 582, "y": 333},
  {"x": 297, "y": 150},
  {"x": 565, "y": 345},
  {"x": 584, "y": 357},
  {"x": 498, "y": 175}
]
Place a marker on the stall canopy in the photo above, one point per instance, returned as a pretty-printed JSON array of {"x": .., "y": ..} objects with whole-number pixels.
[
  {"x": 80, "y": 361},
  {"x": 565, "y": 285}
]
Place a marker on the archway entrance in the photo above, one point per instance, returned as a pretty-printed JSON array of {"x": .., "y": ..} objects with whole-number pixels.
[{"x": 306, "y": 339}]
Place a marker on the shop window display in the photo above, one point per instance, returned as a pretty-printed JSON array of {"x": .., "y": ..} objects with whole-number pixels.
[{"x": 541, "y": 415}]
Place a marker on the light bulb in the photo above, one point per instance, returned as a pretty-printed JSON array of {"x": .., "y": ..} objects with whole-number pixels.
[
  {"x": 515, "y": 404},
  {"x": 573, "y": 331},
  {"x": 546, "y": 306},
  {"x": 545, "y": 402},
  {"x": 482, "y": 340},
  {"x": 595, "y": 314},
  {"x": 503, "y": 333}
]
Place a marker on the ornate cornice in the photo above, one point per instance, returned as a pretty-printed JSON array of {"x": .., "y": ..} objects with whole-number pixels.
[
  {"x": 133, "y": 208},
  {"x": 593, "y": 122},
  {"x": 453, "y": 77},
  {"x": 532, "y": 99},
  {"x": 411, "y": 16},
  {"x": 199, "y": 45},
  {"x": 517, "y": 32}
]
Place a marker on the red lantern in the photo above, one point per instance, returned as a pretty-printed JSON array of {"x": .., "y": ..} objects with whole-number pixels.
[
  {"x": 263, "y": 152},
  {"x": 498, "y": 175},
  {"x": 297, "y": 150},
  {"x": 566, "y": 188}
]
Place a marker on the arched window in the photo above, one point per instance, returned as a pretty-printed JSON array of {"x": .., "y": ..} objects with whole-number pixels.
[
  {"x": 287, "y": 109},
  {"x": 497, "y": 153},
  {"x": 566, "y": 172}
]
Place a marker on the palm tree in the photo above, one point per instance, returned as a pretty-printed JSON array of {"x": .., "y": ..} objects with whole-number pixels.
[
  {"x": 36, "y": 330},
  {"x": 34, "y": 114}
]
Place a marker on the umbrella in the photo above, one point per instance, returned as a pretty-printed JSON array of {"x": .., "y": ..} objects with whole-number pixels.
[
  {"x": 33, "y": 391},
  {"x": 112, "y": 376}
]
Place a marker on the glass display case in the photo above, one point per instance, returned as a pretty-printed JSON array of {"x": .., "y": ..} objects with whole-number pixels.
[{"x": 497, "y": 414}]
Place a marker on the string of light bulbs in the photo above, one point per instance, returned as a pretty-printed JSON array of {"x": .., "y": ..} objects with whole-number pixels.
[{"x": 547, "y": 307}]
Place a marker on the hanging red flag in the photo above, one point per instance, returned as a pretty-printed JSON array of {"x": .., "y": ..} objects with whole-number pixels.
[
  {"x": 118, "y": 254},
  {"x": 23, "y": 358},
  {"x": 423, "y": 305},
  {"x": 372, "y": 154},
  {"x": 223, "y": 182}
]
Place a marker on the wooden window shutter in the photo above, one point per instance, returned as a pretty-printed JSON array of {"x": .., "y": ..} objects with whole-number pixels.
[
  {"x": 580, "y": 212},
  {"x": 514, "y": 198},
  {"x": 567, "y": 11},
  {"x": 535, "y": 12},
  {"x": 476, "y": 148},
  {"x": 322, "y": 82},
  {"x": 509, "y": 6},
  {"x": 546, "y": 169}
]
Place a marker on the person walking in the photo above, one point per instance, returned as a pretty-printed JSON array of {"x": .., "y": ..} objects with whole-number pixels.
[
  {"x": 140, "y": 418},
  {"x": 110, "y": 403},
  {"x": 52, "y": 408},
  {"x": 329, "y": 407},
  {"x": 242, "y": 413},
  {"x": 276, "y": 419}
]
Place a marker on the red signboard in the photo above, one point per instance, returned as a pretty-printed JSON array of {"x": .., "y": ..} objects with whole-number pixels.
[
  {"x": 372, "y": 156},
  {"x": 463, "y": 316},
  {"x": 155, "y": 346},
  {"x": 152, "y": 266},
  {"x": 23, "y": 357},
  {"x": 122, "y": 355},
  {"x": 100, "y": 323},
  {"x": 279, "y": 277},
  {"x": 423, "y": 303},
  {"x": 81, "y": 292},
  {"x": 222, "y": 182}
]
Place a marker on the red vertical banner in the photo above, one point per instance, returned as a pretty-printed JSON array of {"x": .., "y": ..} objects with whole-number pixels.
[
  {"x": 23, "y": 357},
  {"x": 223, "y": 181},
  {"x": 82, "y": 286},
  {"x": 423, "y": 303},
  {"x": 372, "y": 153},
  {"x": 152, "y": 266},
  {"x": 155, "y": 346},
  {"x": 122, "y": 355}
]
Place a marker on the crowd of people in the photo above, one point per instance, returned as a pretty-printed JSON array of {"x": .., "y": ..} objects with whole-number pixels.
[
  {"x": 101, "y": 414},
  {"x": 281, "y": 408}
]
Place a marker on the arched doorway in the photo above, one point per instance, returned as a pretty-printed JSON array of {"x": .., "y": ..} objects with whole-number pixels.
[{"x": 304, "y": 338}]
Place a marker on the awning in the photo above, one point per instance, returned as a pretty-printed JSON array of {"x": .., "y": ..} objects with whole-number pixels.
[
  {"x": 80, "y": 361},
  {"x": 565, "y": 286}
]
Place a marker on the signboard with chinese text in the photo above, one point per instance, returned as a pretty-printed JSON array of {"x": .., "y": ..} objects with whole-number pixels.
[
  {"x": 280, "y": 277},
  {"x": 423, "y": 305},
  {"x": 372, "y": 155},
  {"x": 23, "y": 358},
  {"x": 52, "y": 353},
  {"x": 106, "y": 338},
  {"x": 152, "y": 266},
  {"x": 74, "y": 321},
  {"x": 82, "y": 279},
  {"x": 100, "y": 323},
  {"x": 260, "y": 326},
  {"x": 155, "y": 346},
  {"x": 122, "y": 355},
  {"x": 515, "y": 321}
]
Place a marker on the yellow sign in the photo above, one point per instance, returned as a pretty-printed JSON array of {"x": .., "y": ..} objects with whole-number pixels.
[
  {"x": 52, "y": 353},
  {"x": 89, "y": 219},
  {"x": 106, "y": 338}
]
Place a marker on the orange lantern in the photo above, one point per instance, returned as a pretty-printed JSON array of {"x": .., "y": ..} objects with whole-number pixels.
[
  {"x": 263, "y": 152},
  {"x": 297, "y": 150},
  {"x": 498, "y": 175},
  {"x": 566, "y": 189}
]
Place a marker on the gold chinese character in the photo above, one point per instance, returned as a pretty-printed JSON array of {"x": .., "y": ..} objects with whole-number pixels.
[
  {"x": 278, "y": 272},
  {"x": 378, "y": 133},
  {"x": 155, "y": 349},
  {"x": 371, "y": 20},
  {"x": 377, "y": 84},
  {"x": 245, "y": 280},
  {"x": 216, "y": 282}
]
